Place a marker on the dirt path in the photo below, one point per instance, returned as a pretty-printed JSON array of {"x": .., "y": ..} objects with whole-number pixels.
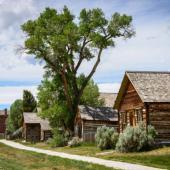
[{"x": 107, "y": 163}]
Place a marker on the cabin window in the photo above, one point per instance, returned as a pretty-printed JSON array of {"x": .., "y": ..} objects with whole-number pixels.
[{"x": 138, "y": 113}]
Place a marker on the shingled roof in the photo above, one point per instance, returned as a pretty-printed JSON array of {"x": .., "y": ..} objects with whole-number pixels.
[
  {"x": 33, "y": 118},
  {"x": 99, "y": 113},
  {"x": 150, "y": 86},
  {"x": 109, "y": 98}
]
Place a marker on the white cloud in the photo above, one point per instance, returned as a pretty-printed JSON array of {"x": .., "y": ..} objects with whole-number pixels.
[
  {"x": 14, "y": 67},
  {"x": 109, "y": 87},
  {"x": 14, "y": 12},
  {"x": 10, "y": 94},
  {"x": 149, "y": 50}
]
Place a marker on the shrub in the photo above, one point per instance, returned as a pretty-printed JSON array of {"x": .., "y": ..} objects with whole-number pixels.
[
  {"x": 151, "y": 135},
  {"x": 75, "y": 141},
  {"x": 106, "y": 138},
  {"x": 136, "y": 138},
  {"x": 60, "y": 138}
]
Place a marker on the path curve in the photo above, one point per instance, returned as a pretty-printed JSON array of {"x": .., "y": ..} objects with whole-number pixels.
[{"x": 107, "y": 163}]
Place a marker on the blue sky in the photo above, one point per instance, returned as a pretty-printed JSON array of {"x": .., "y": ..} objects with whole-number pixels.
[{"x": 148, "y": 50}]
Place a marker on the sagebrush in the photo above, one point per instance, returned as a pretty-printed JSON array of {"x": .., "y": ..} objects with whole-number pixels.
[
  {"x": 75, "y": 141},
  {"x": 137, "y": 138},
  {"x": 59, "y": 138},
  {"x": 106, "y": 137}
]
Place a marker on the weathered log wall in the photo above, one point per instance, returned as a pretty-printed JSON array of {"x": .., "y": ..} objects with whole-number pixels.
[
  {"x": 131, "y": 108},
  {"x": 89, "y": 128},
  {"x": 130, "y": 99},
  {"x": 46, "y": 135},
  {"x": 32, "y": 132},
  {"x": 3, "y": 123},
  {"x": 159, "y": 117}
]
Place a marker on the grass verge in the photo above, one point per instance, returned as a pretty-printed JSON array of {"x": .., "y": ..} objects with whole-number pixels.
[
  {"x": 159, "y": 158},
  {"x": 14, "y": 159}
]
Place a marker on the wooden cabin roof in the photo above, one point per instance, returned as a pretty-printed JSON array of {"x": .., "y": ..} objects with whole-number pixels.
[
  {"x": 33, "y": 118},
  {"x": 99, "y": 113},
  {"x": 109, "y": 98},
  {"x": 150, "y": 86}
]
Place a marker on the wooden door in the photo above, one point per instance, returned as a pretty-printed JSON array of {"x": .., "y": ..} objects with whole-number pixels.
[{"x": 33, "y": 133}]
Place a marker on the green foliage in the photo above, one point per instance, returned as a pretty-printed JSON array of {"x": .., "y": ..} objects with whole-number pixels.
[
  {"x": 63, "y": 43},
  {"x": 16, "y": 134},
  {"x": 136, "y": 138},
  {"x": 16, "y": 159},
  {"x": 91, "y": 93},
  {"x": 151, "y": 134},
  {"x": 14, "y": 120},
  {"x": 75, "y": 141},
  {"x": 59, "y": 139},
  {"x": 106, "y": 137},
  {"x": 52, "y": 101},
  {"x": 29, "y": 102}
]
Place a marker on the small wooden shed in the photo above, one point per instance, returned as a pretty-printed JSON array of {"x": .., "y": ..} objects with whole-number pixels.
[
  {"x": 3, "y": 118},
  {"x": 88, "y": 119},
  {"x": 145, "y": 96},
  {"x": 35, "y": 128}
]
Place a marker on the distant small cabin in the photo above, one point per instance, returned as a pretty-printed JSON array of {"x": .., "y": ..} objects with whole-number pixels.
[
  {"x": 145, "y": 96},
  {"x": 3, "y": 118},
  {"x": 35, "y": 128},
  {"x": 88, "y": 119},
  {"x": 109, "y": 99}
]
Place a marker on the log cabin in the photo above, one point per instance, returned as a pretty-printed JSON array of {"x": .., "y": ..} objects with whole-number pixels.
[
  {"x": 145, "y": 96},
  {"x": 3, "y": 118},
  {"x": 35, "y": 128},
  {"x": 88, "y": 119}
]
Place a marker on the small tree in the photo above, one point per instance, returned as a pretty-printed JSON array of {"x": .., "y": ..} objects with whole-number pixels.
[
  {"x": 15, "y": 118},
  {"x": 29, "y": 102}
]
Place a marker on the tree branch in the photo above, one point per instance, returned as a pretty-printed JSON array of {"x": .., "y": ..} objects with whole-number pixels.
[
  {"x": 90, "y": 74},
  {"x": 66, "y": 92},
  {"x": 81, "y": 54}
]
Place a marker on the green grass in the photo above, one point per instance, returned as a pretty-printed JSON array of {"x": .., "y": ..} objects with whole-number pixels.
[
  {"x": 159, "y": 158},
  {"x": 14, "y": 159},
  {"x": 88, "y": 149}
]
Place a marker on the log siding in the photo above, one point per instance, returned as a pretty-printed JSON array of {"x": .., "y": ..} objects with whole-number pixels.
[{"x": 88, "y": 119}]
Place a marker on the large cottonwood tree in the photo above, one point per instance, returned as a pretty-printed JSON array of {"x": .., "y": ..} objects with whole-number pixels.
[{"x": 64, "y": 42}]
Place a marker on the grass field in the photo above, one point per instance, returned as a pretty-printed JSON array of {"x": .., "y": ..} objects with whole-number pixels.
[
  {"x": 159, "y": 158},
  {"x": 88, "y": 149},
  {"x": 14, "y": 159}
]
